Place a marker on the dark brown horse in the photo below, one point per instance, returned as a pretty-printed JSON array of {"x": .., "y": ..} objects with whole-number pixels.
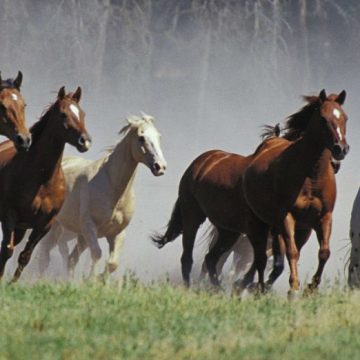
[
  {"x": 213, "y": 185},
  {"x": 12, "y": 117},
  {"x": 32, "y": 183}
]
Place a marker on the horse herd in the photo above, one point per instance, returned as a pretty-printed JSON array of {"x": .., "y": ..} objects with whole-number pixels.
[{"x": 273, "y": 197}]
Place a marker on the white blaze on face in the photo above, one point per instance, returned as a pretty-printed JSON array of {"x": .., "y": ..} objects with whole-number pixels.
[
  {"x": 14, "y": 97},
  {"x": 75, "y": 111},
  {"x": 336, "y": 113},
  {"x": 153, "y": 137},
  {"x": 339, "y": 133}
]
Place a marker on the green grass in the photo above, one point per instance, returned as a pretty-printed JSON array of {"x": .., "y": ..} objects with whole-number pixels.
[{"x": 133, "y": 321}]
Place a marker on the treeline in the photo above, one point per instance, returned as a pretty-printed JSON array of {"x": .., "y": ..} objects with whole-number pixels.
[{"x": 136, "y": 45}]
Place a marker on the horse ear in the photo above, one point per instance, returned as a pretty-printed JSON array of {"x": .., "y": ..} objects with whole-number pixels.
[
  {"x": 341, "y": 97},
  {"x": 61, "y": 93},
  {"x": 77, "y": 94},
  {"x": 0, "y": 77},
  {"x": 322, "y": 95},
  {"x": 18, "y": 80}
]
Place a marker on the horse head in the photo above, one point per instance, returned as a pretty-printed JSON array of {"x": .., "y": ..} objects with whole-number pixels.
[
  {"x": 335, "y": 118},
  {"x": 145, "y": 143},
  {"x": 12, "y": 113},
  {"x": 72, "y": 126}
]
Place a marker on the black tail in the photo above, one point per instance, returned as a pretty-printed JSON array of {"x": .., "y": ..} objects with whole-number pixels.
[{"x": 174, "y": 228}]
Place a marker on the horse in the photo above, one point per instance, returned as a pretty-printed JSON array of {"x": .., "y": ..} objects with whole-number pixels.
[
  {"x": 100, "y": 199},
  {"x": 214, "y": 186},
  {"x": 211, "y": 187},
  {"x": 291, "y": 186},
  {"x": 243, "y": 255},
  {"x": 12, "y": 116},
  {"x": 354, "y": 265},
  {"x": 32, "y": 182}
]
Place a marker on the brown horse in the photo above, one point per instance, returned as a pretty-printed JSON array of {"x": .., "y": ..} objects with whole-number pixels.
[
  {"x": 243, "y": 255},
  {"x": 12, "y": 117},
  {"x": 213, "y": 185},
  {"x": 32, "y": 182},
  {"x": 291, "y": 187}
]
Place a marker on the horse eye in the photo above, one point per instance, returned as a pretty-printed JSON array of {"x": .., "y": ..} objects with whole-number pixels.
[{"x": 142, "y": 139}]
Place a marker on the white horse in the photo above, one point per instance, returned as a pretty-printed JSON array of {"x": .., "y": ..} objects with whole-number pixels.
[
  {"x": 354, "y": 265},
  {"x": 99, "y": 198}
]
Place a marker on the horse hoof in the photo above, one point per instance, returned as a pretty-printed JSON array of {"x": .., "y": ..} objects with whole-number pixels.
[
  {"x": 293, "y": 295},
  {"x": 237, "y": 288},
  {"x": 112, "y": 267},
  {"x": 311, "y": 290}
]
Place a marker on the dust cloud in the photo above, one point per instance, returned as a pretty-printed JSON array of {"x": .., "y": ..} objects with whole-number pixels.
[{"x": 212, "y": 72}]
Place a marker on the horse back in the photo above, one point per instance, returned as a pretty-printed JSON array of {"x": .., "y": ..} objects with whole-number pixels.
[
  {"x": 213, "y": 185},
  {"x": 218, "y": 167}
]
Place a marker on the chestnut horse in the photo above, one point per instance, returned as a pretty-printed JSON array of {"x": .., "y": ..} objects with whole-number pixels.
[
  {"x": 243, "y": 251},
  {"x": 291, "y": 187},
  {"x": 218, "y": 185},
  {"x": 32, "y": 183},
  {"x": 12, "y": 117}
]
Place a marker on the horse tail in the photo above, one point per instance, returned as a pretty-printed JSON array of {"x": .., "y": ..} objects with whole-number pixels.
[{"x": 174, "y": 228}]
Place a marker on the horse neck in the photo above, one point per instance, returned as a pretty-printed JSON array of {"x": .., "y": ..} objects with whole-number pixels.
[
  {"x": 121, "y": 167},
  {"x": 321, "y": 167},
  {"x": 46, "y": 152},
  {"x": 300, "y": 160}
]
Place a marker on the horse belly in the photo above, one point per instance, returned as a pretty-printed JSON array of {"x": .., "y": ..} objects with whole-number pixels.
[
  {"x": 308, "y": 211},
  {"x": 225, "y": 209}
]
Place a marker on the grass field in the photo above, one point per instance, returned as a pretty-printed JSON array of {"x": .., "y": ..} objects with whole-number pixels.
[{"x": 133, "y": 321}]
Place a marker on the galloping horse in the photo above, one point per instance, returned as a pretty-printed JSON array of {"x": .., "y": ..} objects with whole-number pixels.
[
  {"x": 243, "y": 251},
  {"x": 211, "y": 187},
  {"x": 32, "y": 183},
  {"x": 218, "y": 185},
  {"x": 12, "y": 117},
  {"x": 291, "y": 186},
  {"x": 354, "y": 265},
  {"x": 99, "y": 199}
]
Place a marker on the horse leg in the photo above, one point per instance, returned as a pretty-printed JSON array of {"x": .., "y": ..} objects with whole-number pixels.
[
  {"x": 292, "y": 253},
  {"x": 89, "y": 234},
  {"x": 323, "y": 232},
  {"x": 243, "y": 255},
  {"x": 75, "y": 255},
  {"x": 258, "y": 235},
  {"x": 192, "y": 217},
  {"x": 25, "y": 255},
  {"x": 220, "y": 263},
  {"x": 8, "y": 242},
  {"x": 64, "y": 251},
  {"x": 278, "y": 251},
  {"x": 226, "y": 240},
  {"x": 115, "y": 246},
  {"x": 47, "y": 245}
]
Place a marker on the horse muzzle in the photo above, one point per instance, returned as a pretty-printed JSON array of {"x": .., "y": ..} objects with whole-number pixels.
[
  {"x": 339, "y": 151},
  {"x": 84, "y": 143},
  {"x": 22, "y": 142},
  {"x": 158, "y": 168}
]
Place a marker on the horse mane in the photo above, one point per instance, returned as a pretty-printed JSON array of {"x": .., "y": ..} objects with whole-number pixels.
[
  {"x": 133, "y": 122},
  {"x": 296, "y": 123},
  {"x": 269, "y": 131},
  {"x": 37, "y": 128}
]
